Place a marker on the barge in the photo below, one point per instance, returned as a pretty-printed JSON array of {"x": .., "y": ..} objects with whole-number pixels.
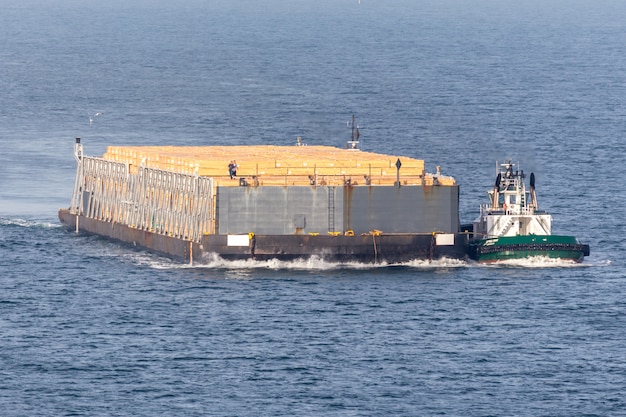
[{"x": 267, "y": 202}]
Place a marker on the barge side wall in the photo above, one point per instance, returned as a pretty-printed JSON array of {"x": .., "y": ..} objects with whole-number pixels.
[
  {"x": 281, "y": 210},
  {"x": 292, "y": 210},
  {"x": 359, "y": 248},
  {"x": 405, "y": 209}
]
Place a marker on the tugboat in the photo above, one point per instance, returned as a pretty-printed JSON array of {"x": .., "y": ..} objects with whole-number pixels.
[{"x": 511, "y": 226}]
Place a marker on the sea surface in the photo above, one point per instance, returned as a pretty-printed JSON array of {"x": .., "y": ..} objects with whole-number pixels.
[{"x": 89, "y": 327}]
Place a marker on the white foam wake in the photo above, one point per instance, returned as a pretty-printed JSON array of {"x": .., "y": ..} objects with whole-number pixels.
[
  {"x": 28, "y": 223},
  {"x": 536, "y": 262},
  {"x": 214, "y": 261}
]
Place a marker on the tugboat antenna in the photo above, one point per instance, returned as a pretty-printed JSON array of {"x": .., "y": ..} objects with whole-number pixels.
[{"x": 533, "y": 193}]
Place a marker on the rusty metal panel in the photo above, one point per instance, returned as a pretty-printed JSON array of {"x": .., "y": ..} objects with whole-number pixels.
[
  {"x": 402, "y": 209},
  {"x": 303, "y": 210},
  {"x": 279, "y": 210}
]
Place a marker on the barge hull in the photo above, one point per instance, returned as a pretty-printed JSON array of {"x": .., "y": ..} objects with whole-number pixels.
[
  {"x": 166, "y": 245},
  {"x": 367, "y": 248}
]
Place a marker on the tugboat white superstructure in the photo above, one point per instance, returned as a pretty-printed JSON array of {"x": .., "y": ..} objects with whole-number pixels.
[{"x": 511, "y": 226}]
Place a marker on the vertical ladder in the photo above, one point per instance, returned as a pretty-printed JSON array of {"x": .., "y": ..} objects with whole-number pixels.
[{"x": 331, "y": 209}]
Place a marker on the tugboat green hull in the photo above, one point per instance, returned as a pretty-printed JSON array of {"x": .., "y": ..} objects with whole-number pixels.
[{"x": 520, "y": 247}]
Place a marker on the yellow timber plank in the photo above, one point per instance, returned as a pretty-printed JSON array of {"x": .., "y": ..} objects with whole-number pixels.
[{"x": 267, "y": 161}]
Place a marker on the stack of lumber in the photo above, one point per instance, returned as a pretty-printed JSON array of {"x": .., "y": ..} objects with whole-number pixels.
[{"x": 278, "y": 165}]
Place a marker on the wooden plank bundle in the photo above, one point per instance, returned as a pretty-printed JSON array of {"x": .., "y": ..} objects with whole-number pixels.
[{"x": 278, "y": 165}]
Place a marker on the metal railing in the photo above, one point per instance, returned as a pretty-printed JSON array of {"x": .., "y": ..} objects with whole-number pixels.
[
  {"x": 163, "y": 202},
  {"x": 517, "y": 210}
]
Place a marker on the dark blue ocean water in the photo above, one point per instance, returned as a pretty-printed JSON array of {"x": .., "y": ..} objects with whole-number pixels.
[{"x": 90, "y": 327}]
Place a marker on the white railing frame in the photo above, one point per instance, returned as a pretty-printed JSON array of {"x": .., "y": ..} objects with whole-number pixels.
[{"x": 155, "y": 200}]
